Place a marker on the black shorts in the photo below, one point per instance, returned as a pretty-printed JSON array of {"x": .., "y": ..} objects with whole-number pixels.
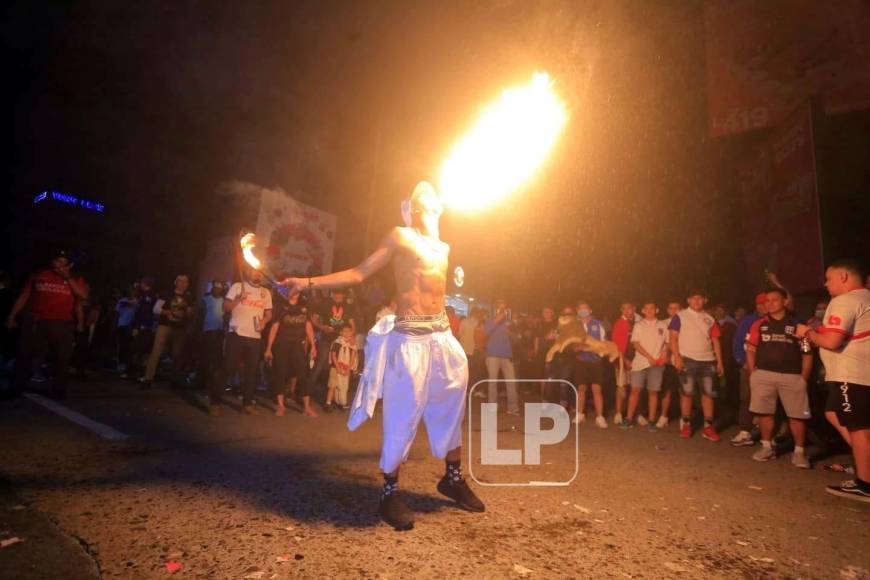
[
  {"x": 588, "y": 373},
  {"x": 851, "y": 403},
  {"x": 290, "y": 361}
]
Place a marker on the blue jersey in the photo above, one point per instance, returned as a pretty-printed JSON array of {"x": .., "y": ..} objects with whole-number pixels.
[{"x": 595, "y": 329}]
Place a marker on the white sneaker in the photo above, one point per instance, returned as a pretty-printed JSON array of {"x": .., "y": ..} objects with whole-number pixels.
[
  {"x": 800, "y": 460},
  {"x": 662, "y": 422},
  {"x": 641, "y": 420},
  {"x": 742, "y": 439},
  {"x": 764, "y": 454},
  {"x": 617, "y": 419},
  {"x": 579, "y": 418},
  {"x": 601, "y": 422}
]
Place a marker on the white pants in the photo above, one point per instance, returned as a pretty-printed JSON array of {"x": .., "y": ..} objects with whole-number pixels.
[
  {"x": 494, "y": 364},
  {"x": 419, "y": 377}
]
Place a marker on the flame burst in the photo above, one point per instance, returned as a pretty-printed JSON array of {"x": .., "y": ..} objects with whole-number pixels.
[
  {"x": 248, "y": 243},
  {"x": 509, "y": 142}
]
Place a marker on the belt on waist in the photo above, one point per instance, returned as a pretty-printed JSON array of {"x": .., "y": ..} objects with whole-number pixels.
[{"x": 419, "y": 324}]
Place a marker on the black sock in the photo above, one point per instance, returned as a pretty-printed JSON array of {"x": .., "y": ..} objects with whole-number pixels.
[
  {"x": 863, "y": 485},
  {"x": 454, "y": 471},
  {"x": 391, "y": 485},
  {"x": 687, "y": 419}
]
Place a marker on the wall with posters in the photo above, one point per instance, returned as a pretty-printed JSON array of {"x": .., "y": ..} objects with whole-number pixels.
[
  {"x": 781, "y": 208},
  {"x": 294, "y": 238},
  {"x": 766, "y": 59}
]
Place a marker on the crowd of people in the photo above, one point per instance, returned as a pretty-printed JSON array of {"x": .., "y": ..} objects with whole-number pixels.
[{"x": 784, "y": 382}]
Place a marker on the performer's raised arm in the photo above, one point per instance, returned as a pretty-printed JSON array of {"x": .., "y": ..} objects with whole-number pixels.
[{"x": 352, "y": 276}]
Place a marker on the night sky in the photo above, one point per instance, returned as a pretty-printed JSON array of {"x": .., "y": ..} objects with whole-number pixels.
[{"x": 149, "y": 107}]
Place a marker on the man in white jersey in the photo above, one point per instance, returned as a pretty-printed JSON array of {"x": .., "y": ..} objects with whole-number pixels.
[{"x": 844, "y": 345}]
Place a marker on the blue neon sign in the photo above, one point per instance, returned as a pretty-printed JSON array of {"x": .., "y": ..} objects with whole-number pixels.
[{"x": 70, "y": 200}]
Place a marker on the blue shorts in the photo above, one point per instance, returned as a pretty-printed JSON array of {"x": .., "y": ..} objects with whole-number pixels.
[
  {"x": 650, "y": 377},
  {"x": 698, "y": 372}
]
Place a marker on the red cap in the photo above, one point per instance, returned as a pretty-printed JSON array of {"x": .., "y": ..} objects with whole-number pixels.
[{"x": 761, "y": 298}]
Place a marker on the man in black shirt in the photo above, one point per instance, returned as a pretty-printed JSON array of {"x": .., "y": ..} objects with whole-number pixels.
[
  {"x": 175, "y": 312},
  {"x": 290, "y": 346},
  {"x": 779, "y": 364},
  {"x": 327, "y": 321},
  {"x": 544, "y": 339}
]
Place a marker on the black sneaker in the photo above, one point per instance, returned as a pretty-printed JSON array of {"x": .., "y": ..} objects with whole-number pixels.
[
  {"x": 849, "y": 489},
  {"x": 459, "y": 492},
  {"x": 144, "y": 385},
  {"x": 395, "y": 511}
]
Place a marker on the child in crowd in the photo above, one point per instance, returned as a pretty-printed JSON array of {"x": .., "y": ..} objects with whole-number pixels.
[{"x": 342, "y": 361}]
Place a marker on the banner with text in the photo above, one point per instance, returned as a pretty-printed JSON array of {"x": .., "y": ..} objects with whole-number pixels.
[
  {"x": 782, "y": 232},
  {"x": 765, "y": 59}
]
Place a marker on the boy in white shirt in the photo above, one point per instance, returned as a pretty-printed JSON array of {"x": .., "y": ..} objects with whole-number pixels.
[
  {"x": 694, "y": 340},
  {"x": 649, "y": 337}
]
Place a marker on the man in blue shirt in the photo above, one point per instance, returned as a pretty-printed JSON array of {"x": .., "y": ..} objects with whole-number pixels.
[
  {"x": 589, "y": 370},
  {"x": 211, "y": 314},
  {"x": 499, "y": 356},
  {"x": 738, "y": 348}
]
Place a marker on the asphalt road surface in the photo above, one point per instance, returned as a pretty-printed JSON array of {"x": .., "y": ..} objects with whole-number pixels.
[{"x": 192, "y": 496}]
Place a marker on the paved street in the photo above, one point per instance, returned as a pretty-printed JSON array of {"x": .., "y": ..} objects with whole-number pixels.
[{"x": 270, "y": 497}]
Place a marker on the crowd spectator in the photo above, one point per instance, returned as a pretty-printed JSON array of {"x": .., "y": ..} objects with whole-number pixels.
[
  {"x": 589, "y": 368},
  {"x": 844, "y": 344},
  {"x": 125, "y": 309},
  {"x": 212, "y": 324},
  {"x": 499, "y": 356},
  {"x": 249, "y": 305},
  {"x": 343, "y": 361},
  {"x": 7, "y": 345},
  {"x": 142, "y": 327},
  {"x": 327, "y": 320},
  {"x": 174, "y": 313},
  {"x": 453, "y": 320},
  {"x": 290, "y": 346},
  {"x": 467, "y": 329},
  {"x": 649, "y": 338},
  {"x": 694, "y": 340},
  {"x": 745, "y": 422},
  {"x": 779, "y": 365},
  {"x": 48, "y": 329},
  {"x": 622, "y": 329},
  {"x": 817, "y": 320},
  {"x": 545, "y": 337},
  {"x": 671, "y": 377},
  {"x": 731, "y": 378}
]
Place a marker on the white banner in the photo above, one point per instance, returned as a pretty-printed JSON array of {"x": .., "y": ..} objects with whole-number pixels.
[{"x": 294, "y": 238}]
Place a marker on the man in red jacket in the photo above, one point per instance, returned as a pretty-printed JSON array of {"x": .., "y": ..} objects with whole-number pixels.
[{"x": 52, "y": 294}]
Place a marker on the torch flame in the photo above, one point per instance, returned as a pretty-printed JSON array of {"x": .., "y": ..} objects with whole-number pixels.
[
  {"x": 509, "y": 142},
  {"x": 248, "y": 243}
]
